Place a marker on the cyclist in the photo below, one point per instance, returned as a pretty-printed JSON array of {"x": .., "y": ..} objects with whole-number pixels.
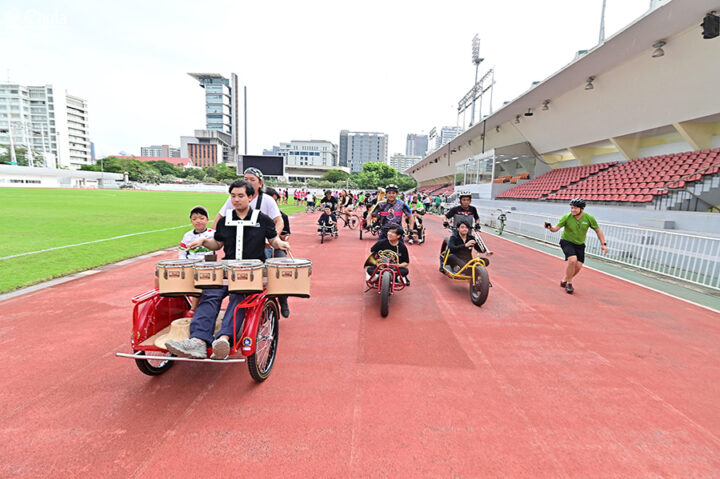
[
  {"x": 327, "y": 218},
  {"x": 576, "y": 224},
  {"x": 329, "y": 198},
  {"x": 391, "y": 211},
  {"x": 418, "y": 210},
  {"x": 393, "y": 243},
  {"x": 465, "y": 211},
  {"x": 461, "y": 245}
]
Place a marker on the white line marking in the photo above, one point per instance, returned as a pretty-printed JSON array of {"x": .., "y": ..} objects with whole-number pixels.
[
  {"x": 709, "y": 308},
  {"x": 90, "y": 242}
]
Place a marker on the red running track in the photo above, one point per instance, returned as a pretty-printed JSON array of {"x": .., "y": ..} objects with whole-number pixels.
[{"x": 614, "y": 381}]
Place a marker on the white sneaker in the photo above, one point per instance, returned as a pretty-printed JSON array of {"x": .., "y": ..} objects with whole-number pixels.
[{"x": 188, "y": 348}]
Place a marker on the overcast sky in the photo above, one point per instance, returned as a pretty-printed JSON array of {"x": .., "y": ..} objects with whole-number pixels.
[{"x": 312, "y": 68}]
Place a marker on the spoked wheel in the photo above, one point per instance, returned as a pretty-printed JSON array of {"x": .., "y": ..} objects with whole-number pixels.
[
  {"x": 322, "y": 236},
  {"x": 261, "y": 362},
  {"x": 479, "y": 291},
  {"x": 361, "y": 228},
  {"x": 385, "y": 286},
  {"x": 353, "y": 222},
  {"x": 155, "y": 366}
]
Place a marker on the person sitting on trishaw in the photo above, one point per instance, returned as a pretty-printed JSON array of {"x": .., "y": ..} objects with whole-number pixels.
[
  {"x": 327, "y": 220},
  {"x": 391, "y": 211},
  {"x": 392, "y": 243},
  {"x": 462, "y": 244},
  {"x": 417, "y": 234}
]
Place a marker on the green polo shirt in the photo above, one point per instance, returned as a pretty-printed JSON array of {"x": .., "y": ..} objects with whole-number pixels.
[{"x": 575, "y": 230}]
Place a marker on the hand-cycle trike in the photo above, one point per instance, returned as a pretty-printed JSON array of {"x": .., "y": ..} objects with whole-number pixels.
[
  {"x": 386, "y": 278},
  {"x": 474, "y": 271}
]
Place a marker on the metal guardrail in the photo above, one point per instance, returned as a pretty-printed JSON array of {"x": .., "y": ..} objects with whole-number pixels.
[{"x": 682, "y": 256}]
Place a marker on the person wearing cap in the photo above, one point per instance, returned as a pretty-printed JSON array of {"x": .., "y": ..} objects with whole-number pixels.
[
  {"x": 575, "y": 226},
  {"x": 202, "y": 327},
  {"x": 463, "y": 212},
  {"x": 329, "y": 199},
  {"x": 260, "y": 201},
  {"x": 391, "y": 211},
  {"x": 267, "y": 205}
]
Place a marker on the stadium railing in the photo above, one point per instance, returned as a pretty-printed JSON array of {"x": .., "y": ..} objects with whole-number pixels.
[{"x": 682, "y": 256}]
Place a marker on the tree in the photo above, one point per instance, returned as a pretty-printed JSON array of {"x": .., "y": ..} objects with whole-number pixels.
[
  {"x": 163, "y": 167},
  {"x": 334, "y": 176},
  {"x": 20, "y": 156},
  {"x": 406, "y": 182},
  {"x": 196, "y": 173}
]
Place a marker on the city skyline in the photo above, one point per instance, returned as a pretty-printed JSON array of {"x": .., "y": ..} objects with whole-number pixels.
[{"x": 138, "y": 91}]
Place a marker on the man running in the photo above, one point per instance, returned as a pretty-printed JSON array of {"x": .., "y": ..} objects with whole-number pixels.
[{"x": 576, "y": 224}]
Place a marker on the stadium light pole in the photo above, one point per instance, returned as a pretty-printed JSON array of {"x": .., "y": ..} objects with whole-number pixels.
[
  {"x": 476, "y": 60},
  {"x": 601, "y": 37}
]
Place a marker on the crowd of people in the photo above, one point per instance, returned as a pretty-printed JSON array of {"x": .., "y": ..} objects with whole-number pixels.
[{"x": 394, "y": 214}]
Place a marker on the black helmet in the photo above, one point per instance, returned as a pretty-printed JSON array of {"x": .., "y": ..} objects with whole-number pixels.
[
  {"x": 391, "y": 187},
  {"x": 579, "y": 202}
]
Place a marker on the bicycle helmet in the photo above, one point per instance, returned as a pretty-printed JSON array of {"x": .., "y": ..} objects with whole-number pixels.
[
  {"x": 462, "y": 193},
  {"x": 579, "y": 202},
  {"x": 391, "y": 187}
]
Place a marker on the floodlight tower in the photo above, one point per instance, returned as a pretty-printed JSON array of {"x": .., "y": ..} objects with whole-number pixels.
[
  {"x": 601, "y": 36},
  {"x": 476, "y": 60}
]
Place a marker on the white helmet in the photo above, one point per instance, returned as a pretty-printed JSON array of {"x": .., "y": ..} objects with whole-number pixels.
[{"x": 462, "y": 193}]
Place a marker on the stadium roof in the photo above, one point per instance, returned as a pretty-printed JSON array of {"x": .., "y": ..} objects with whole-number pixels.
[{"x": 672, "y": 18}]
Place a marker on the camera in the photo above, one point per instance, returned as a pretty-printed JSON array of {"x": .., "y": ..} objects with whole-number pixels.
[{"x": 547, "y": 225}]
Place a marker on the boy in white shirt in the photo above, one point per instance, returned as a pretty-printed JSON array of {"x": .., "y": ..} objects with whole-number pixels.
[{"x": 199, "y": 220}]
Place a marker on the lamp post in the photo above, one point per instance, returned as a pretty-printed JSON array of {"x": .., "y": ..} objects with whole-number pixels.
[{"x": 476, "y": 60}]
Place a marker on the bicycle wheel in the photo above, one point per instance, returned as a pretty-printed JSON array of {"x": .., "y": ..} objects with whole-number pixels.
[
  {"x": 322, "y": 236},
  {"x": 385, "y": 286},
  {"x": 353, "y": 222},
  {"x": 153, "y": 364},
  {"x": 479, "y": 291},
  {"x": 261, "y": 362}
]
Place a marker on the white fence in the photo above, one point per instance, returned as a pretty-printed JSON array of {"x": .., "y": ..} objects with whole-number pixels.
[{"x": 686, "y": 257}]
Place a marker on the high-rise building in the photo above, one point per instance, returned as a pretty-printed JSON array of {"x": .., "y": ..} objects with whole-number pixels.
[
  {"x": 47, "y": 121},
  {"x": 359, "y": 147},
  {"x": 309, "y": 153},
  {"x": 416, "y": 145},
  {"x": 207, "y": 148},
  {"x": 403, "y": 162},
  {"x": 160, "y": 151},
  {"x": 447, "y": 133},
  {"x": 222, "y": 109}
]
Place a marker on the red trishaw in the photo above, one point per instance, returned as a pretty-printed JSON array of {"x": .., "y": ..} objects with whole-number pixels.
[
  {"x": 256, "y": 345},
  {"x": 386, "y": 279}
]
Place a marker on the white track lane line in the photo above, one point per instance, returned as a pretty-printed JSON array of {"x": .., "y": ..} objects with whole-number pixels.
[
  {"x": 90, "y": 242},
  {"x": 709, "y": 308}
]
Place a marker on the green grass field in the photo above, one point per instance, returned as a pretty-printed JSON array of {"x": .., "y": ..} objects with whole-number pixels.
[{"x": 39, "y": 219}]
